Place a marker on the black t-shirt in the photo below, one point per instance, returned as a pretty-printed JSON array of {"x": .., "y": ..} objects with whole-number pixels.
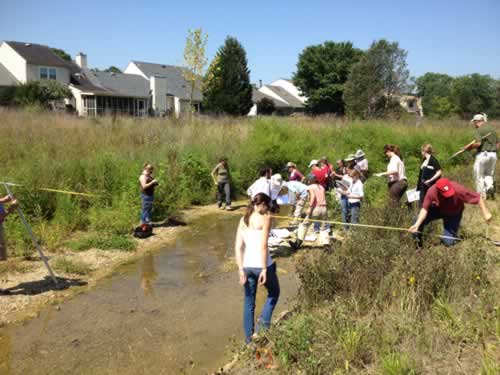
[{"x": 428, "y": 171}]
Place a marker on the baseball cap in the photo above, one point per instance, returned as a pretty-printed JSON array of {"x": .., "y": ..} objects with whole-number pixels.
[
  {"x": 313, "y": 162},
  {"x": 445, "y": 188}
]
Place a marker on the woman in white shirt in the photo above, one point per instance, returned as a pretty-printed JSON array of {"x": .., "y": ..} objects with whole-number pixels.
[
  {"x": 354, "y": 194},
  {"x": 395, "y": 173},
  {"x": 255, "y": 264}
]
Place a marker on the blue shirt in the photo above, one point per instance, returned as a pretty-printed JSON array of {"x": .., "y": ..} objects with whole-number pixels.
[{"x": 297, "y": 188}]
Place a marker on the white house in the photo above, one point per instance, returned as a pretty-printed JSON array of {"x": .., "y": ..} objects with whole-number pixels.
[
  {"x": 24, "y": 62},
  {"x": 283, "y": 93},
  {"x": 170, "y": 92}
]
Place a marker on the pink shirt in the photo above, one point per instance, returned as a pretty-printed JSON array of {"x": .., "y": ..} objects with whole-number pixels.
[{"x": 317, "y": 193}]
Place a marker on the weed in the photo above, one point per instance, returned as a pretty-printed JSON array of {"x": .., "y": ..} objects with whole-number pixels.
[
  {"x": 66, "y": 265},
  {"x": 102, "y": 242}
]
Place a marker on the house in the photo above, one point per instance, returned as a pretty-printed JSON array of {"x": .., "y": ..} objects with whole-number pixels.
[
  {"x": 170, "y": 92},
  {"x": 105, "y": 93},
  {"x": 412, "y": 104},
  {"x": 285, "y": 95}
]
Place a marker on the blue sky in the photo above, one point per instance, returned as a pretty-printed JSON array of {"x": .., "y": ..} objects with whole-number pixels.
[{"x": 455, "y": 37}]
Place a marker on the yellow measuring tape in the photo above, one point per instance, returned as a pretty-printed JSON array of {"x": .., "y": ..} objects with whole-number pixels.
[{"x": 55, "y": 190}]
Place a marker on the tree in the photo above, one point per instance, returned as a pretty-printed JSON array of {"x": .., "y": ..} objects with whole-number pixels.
[
  {"x": 113, "y": 69},
  {"x": 41, "y": 93},
  {"x": 377, "y": 80},
  {"x": 62, "y": 54},
  {"x": 473, "y": 93},
  {"x": 435, "y": 90},
  {"x": 322, "y": 71},
  {"x": 265, "y": 106},
  {"x": 226, "y": 87},
  {"x": 194, "y": 60}
]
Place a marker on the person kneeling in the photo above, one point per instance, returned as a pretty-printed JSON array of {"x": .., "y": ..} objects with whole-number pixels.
[{"x": 446, "y": 200}]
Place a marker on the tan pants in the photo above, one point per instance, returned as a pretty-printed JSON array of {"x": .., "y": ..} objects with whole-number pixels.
[
  {"x": 3, "y": 247},
  {"x": 299, "y": 207},
  {"x": 318, "y": 213}
]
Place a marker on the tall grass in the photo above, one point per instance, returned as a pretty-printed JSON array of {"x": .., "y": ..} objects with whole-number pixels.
[{"x": 104, "y": 156}]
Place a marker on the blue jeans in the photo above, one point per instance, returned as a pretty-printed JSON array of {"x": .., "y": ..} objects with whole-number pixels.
[
  {"x": 344, "y": 206},
  {"x": 353, "y": 212},
  {"x": 450, "y": 226},
  {"x": 273, "y": 292},
  {"x": 223, "y": 188},
  {"x": 147, "y": 207}
]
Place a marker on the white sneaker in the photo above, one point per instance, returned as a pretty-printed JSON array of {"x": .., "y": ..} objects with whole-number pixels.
[{"x": 229, "y": 208}]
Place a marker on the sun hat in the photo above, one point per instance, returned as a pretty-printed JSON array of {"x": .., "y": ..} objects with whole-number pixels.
[
  {"x": 444, "y": 188},
  {"x": 350, "y": 157},
  {"x": 480, "y": 117},
  {"x": 276, "y": 179},
  {"x": 291, "y": 164},
  {"x": 323, "y": 158},
  {"x": 359, "y": 154},
  {"x": 313, "y": 162}
]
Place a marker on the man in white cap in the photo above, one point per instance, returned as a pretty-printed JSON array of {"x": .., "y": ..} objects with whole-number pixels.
[
  {"x": 320, "y": 174},
  {"x": 486, "y": 158}
]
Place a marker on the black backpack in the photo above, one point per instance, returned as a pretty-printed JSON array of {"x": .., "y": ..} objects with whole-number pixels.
[{"x": 143, "y": 231}]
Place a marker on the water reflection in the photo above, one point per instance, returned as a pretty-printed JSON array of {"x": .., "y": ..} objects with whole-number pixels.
[{"x": 149, "y": 275}]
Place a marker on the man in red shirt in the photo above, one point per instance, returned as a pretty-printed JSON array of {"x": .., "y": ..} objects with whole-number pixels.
[
  {"x": 320, "y": 173},
  {"x": 446, "y": 200}
]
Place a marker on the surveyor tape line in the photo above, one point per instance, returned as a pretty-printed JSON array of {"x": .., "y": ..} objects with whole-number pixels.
[
  {"x": 55, "y": 190},
  {"x": 363, "y": 226}
]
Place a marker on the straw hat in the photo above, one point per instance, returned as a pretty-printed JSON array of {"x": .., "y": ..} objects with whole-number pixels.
[
  {"x": 350, "y": 157},
  {"x": 359, "y": 154},
  {"x": 291, "y": 164},
  {"x": 480, "y": 117}
]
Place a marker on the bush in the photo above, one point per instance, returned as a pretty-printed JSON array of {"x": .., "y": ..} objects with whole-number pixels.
[{"x": 41, "y": 93}]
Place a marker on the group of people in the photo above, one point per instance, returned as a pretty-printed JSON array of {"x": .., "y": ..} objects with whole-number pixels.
[{"x": 440, "y": 198}]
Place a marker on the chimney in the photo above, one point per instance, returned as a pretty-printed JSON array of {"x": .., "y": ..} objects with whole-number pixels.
[
  {"x": 260, "y": 83},
  {"x": 81, "y": 60}
]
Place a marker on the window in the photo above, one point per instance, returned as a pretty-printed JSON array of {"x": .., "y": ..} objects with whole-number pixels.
[
  {"x": 52, "y": 73},
  {"x": 48, "y": 73},
  {"x": 44, "y": 74}
]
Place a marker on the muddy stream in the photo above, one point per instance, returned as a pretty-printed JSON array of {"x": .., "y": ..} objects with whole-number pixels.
[{"x": 175, "y": 311}]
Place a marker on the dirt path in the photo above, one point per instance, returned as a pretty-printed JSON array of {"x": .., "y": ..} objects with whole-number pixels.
[{"x": 31, "y": 289}]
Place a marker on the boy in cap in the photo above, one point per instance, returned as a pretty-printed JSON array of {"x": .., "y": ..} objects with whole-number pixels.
[
  {"x": 486, "y": 157},
  {"x": 446, "y": 200}
]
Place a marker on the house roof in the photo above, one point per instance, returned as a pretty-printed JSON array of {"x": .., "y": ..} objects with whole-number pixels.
[
  {"x": 286, "y": 96},
  {"x": 257, "y": 96},
  {"x": 6, "y": 78},
  {"x": 37, "y": 54},
  {"x": 176, "y": 83},
  {"x": 115, "y": 84}
]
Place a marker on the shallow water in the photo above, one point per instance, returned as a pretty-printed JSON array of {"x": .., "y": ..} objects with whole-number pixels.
[{"x": 172, "y": 312}]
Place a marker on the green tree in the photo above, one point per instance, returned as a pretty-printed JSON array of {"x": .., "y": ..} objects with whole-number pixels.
[
  {"x": 194, "y": 60},
  {"x": 377, "y": 80},
  {"x": 113, "y": 69},
  {"x": 227, "y": 88},
  {"x": 265, "y": 106},
  {"x": 473, "y": 93},
  {"x": 41, "y": 93},
  {"x": 62, "y": 54},
  {"x": 435, "y": 90},
  {"x": 322, "y": 71}
]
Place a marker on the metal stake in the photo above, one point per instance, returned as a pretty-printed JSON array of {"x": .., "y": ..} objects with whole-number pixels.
[{"x": 32, "y": 235}]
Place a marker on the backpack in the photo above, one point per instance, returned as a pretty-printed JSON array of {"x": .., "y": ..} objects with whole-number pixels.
[{"x": 143, "y": 231}]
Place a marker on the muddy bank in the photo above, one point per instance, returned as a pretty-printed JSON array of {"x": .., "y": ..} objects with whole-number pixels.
[
  {"x": 176, "y": 310},
  {"x": 31, "y": 289}
]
